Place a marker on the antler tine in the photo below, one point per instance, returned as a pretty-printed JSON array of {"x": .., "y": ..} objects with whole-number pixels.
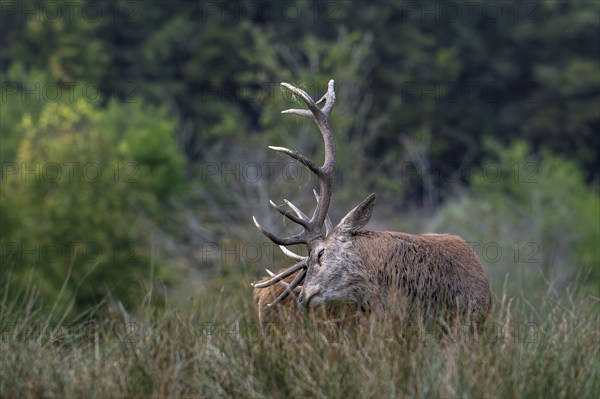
[
  {"x": 296, "y": 155},
  {"x": 298, "y": 211},
  {"x": 285, "y": 284},
  {"x": 296, "y": 289},
  {"x": 290, "y": 288},
  {"x": 300, "y": 112},
  {"x": 291, "y": 254},
  {"x": 292, "y": 240},
  {"x": 299, "y": 220},
  {"x": 310, "y": 103},
  {"x": 329, "y": 99},
  {"x": 276, "y": 278},
  {"x": 328, "y": 226}
]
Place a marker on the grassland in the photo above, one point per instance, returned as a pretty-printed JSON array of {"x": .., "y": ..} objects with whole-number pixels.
[{"x": 209, "y": 347}]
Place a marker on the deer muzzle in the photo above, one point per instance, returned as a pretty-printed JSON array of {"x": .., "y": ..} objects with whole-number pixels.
[{"x": 310, "y": 296}]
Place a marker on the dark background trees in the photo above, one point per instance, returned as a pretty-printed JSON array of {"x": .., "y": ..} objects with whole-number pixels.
[{"x": 182, "y": 93}]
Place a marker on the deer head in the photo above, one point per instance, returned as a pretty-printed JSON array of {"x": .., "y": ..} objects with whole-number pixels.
[{"x": 335, "y": 268}]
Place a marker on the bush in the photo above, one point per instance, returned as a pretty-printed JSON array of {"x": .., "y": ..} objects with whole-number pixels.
[
  {"x": 77, "y": 203},
  {"x": 532, "y": 217},
  {"x": 145, "y": 135}
]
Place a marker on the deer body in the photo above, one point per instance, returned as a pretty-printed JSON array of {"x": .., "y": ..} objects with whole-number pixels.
[{"x": 374, "y": 270}]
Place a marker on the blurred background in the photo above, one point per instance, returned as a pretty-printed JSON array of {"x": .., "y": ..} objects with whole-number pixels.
[{"x": 134, "y": 138}]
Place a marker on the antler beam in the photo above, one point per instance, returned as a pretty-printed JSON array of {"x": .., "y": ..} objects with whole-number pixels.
[{"x": 312, "y": 227}]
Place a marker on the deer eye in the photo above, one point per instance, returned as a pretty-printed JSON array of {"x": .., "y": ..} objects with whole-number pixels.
[{"x": 321, "y": 252}]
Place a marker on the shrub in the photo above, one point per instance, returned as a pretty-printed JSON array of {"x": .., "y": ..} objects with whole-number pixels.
[
  {"x": 77, "y": 206},
  {"x": 529, "y": 216}
]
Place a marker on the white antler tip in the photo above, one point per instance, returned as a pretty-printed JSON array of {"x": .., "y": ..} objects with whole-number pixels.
[{"x": 291, "y": 254}]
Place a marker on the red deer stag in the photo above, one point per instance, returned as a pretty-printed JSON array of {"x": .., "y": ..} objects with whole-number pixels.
[{"x": 431, "y": 273}]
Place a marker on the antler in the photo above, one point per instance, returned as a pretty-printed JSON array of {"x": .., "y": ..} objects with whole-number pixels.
[
  {"x": 294, "y": 286},
  {"x": 312, "y": 228}
]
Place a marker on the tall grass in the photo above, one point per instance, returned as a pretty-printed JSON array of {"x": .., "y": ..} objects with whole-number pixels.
[{"x": 210, "y": 347}]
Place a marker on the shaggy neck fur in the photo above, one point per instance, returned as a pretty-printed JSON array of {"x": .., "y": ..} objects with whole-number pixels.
[{"x": 432, "y": 271}]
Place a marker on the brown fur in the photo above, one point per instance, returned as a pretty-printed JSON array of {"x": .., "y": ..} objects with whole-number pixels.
[
  {"x": 433, "y": 271},
  {"x": 427, "y": 274},
  {"x": 278, "y": 314}
]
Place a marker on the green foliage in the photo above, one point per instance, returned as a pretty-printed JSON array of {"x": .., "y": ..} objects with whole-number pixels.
[
  {"x": 538, "y": 211},
  {"x": 56, "y": 37},
  {"x": 76, "y": 218},
  {"x": 145, "y": 135},
  {"x": 508, "y": 73},
  {"x": 16, "y": 102}
]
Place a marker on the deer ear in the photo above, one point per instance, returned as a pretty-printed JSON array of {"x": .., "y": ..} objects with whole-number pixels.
[{"x": 358, "y": 217}]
